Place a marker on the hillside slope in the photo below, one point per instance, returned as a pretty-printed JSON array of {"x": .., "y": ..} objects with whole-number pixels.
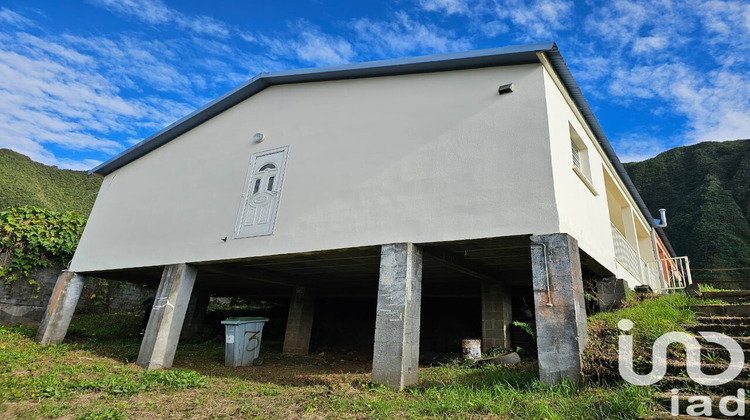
[
  {"x": 25, "y": 182},
  {"x": 706, "y": 191}
]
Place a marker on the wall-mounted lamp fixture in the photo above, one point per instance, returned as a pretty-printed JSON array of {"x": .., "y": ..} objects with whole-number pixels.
[
  {"x": 258, "y": 137},
  {"x": 505, "y": 89}
]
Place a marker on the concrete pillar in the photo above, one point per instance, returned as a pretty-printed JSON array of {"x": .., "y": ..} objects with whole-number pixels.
[
  {"x": 300, "y": 320},
  {"x": 496, "y": 315},
  {"x": 195, "y": 316},
  {"x": 60, "y": 308},
  {"x": 165, "y": 324},
  {"x": 396, "y": 352},
  {"x": 610, "y": 292},
  {"x": 560, "y": 307}
]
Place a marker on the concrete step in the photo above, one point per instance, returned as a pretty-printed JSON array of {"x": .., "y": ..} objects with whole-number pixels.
[
  {"x": 729, "y": 296},
  {"x": 732, "y": 330},
  {"x": 744, "y": 342},
  {"x": 722, "y": 310},
  {"x": 678, "y": 368},
  {"x": 687, "y": 385},
  {"x": 665, "y": 400},
  {"x": 712, "y": 355},
  {"x": 718, "y": 354},
  {"x": 729, "y": 320}
]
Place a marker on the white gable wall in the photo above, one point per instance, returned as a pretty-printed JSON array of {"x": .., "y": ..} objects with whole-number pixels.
[{"x": 418, "y": 158}]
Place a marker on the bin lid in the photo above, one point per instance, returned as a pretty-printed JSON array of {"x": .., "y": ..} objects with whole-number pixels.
[{"x": 243, "y": 320}]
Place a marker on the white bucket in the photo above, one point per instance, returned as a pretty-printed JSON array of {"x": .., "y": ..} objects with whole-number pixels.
[{"x": 472, "y": 348}]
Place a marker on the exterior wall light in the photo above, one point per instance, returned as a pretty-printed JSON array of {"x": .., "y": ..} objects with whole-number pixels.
[{"x": 258, "y": 137}]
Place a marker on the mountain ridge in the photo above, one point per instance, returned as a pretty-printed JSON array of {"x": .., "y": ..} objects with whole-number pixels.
[
  {"x": 24, "y": 182},
  {"x": 706, "y": 190}
]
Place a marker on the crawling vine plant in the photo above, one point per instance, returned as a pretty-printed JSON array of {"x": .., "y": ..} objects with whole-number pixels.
[{"x": 35, "y": 237}]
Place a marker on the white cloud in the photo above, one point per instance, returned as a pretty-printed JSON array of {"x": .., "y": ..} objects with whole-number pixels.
[
  {"x": 537, "y": 18},
  {"x": 309, "y": 44},
  {"x": 639, "y": 147},
  {"x": 449, "y": 7},
  {"x": 526, "y": 20},
  {"x": 155, "y": 12},
  {"x": 10, "y": 17},
  {"x": 649, "y": 44},
  {"x": 71, "y": 93},
  {"x": 404, "y": 36},
  {"x": 680, "y": 61}
]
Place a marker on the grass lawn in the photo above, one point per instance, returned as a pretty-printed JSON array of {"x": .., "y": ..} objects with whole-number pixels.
[{"x": 93, "y": 377}]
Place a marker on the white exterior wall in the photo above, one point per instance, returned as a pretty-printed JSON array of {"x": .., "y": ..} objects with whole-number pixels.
[
  {"x": 584, "y": 213},
  {"x": 413, "y": 158}
]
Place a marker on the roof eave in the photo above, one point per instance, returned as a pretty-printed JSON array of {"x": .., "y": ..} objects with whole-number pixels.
[{"x": 583, "y": 106}]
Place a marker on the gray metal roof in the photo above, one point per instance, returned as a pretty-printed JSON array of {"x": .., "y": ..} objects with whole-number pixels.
[{"x": 505, "y": 56}]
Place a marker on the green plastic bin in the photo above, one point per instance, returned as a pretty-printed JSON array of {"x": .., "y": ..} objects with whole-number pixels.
[{"x": 243, "y": 335}]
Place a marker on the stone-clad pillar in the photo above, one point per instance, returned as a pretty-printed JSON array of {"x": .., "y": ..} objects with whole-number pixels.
[
  {"x": 60, "y": 308},
  {"x": 496, "y": 315},
  {"x": 396, "y": 352},
  {"x": 167, "y": 315},
  {"x": 300, "y": 320},
  {"x": 560, "y": 307}
]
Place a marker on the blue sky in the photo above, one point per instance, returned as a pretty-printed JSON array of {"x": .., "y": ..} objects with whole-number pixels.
[{"x": 80, "y": 81}]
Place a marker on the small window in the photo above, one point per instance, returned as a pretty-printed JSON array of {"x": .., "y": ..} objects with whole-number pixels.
[
  {"x": 260, "y": 201},
  {"x": 579, "y": 153},
  {"x": 580, "y": 157},
  {"x": 576, "y": 155}
]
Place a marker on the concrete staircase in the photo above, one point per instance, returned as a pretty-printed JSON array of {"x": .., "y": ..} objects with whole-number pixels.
[{"x": 732, "y": 319}]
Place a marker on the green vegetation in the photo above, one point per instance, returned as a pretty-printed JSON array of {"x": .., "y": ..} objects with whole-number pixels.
[
  {"x": 24, "y": 182},
  {"x": 92, "y": 377},
  {"x": 510, "y": 392},
  {"x": 706, "y": 191},
  {"x": 31, "y": 372},
  {"x": 652, "y": 315},
  {"x": 34, "y": 238}
]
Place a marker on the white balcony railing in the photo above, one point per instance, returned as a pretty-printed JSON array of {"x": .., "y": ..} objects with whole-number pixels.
[{"x": 625, "y": 254}]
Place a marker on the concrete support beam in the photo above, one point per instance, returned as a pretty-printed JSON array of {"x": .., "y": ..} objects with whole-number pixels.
[
  {"x": 396, "y": 352},
  {"x": 60, "y": 308},
  {"x": 560, "y": 307},
  {"x": 300, "y": 320},
  {"x": 496, "y": 315},
  {"x": 195, "y": 316},
  {"x": 611, "y": 292},
  {"x": 165, "y": 324}
]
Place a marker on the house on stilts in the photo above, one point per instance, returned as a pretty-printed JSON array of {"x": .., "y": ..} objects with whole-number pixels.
[{"x": 481, "y": 174}]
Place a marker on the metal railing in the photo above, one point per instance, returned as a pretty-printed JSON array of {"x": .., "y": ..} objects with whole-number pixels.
[
  {"x": 625, "y": 254},
  {"x": 669, "y": 273}
]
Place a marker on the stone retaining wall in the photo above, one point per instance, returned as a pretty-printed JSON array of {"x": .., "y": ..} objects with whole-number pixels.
[{"x": 25, "y": 301}]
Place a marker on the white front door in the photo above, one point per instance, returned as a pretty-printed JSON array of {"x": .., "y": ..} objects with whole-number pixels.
[{"x": 260, "y": 200}]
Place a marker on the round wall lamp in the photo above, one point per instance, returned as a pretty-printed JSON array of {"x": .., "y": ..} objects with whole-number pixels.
[{"x": 258, "y": 137}]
